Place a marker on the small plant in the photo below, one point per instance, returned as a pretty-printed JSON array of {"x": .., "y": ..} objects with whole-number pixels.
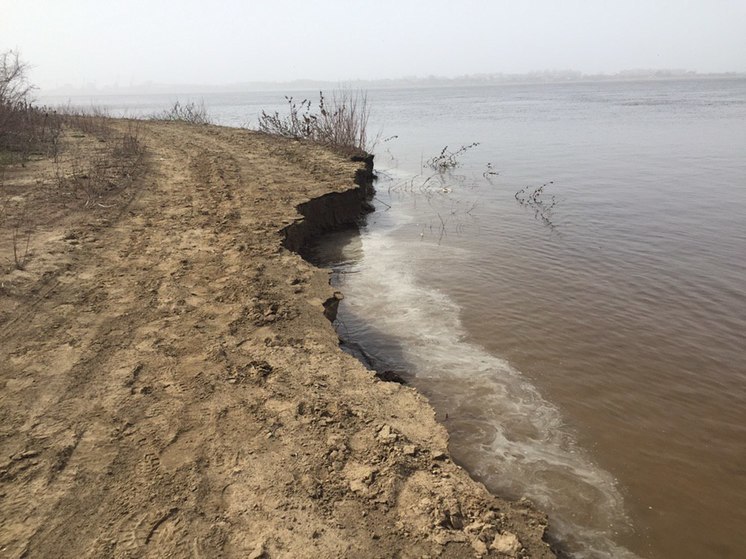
[
  {"x": 490, "y": 172},
  {"x": 447, "y": 160},
  {"x": 191, "y": 112},
  {"x": 339, "y": 122},
  {"x": 21, "y": 238},
  {"x": 533, "y": 197},
  {"x": 20, "y": 256}
]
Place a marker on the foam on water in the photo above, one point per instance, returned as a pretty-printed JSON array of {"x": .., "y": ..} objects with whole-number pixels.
[{"x": 502, "y": 429}]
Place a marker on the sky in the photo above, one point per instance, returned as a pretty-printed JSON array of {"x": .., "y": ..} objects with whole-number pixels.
[{"x": 118, "y": 42}]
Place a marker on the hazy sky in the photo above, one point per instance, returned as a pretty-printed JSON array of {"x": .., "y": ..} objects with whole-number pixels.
[{"x": 227, "y": 41}]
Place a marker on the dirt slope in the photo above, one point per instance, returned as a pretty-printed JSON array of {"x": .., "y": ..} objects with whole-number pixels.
[{"x": 171, "y": 388}]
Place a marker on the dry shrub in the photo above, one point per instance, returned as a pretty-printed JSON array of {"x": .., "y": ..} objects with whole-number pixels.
[
  {"x": 340, "y": 122},
  {"x": 447, "y": 160},
  {"x": 92, "y": 120},
  {"x": 94, "y": 175},
  {"x": 24, "y": 128},
  {"x": 191, "y": 112},
  {"x": 97, "y": 156}
]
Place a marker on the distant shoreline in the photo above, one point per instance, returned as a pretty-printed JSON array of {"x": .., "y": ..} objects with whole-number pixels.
[{"x": 415, "y": 82}]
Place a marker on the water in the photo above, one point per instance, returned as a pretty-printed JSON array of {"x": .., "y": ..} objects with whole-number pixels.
[{"x": 592, "y": 361}]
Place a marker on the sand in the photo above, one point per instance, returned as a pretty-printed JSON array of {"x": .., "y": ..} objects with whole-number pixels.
[{"x": 171, "y": 386}]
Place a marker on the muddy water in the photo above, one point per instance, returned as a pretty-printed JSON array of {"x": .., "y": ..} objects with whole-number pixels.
[{"x": 594, "y": 360}]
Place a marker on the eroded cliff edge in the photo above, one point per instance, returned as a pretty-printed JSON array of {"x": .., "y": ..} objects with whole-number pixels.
[{"x": 487, "y": 532}]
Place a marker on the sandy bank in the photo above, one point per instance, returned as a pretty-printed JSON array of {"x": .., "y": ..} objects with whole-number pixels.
[{"x": 171, "y": 387}]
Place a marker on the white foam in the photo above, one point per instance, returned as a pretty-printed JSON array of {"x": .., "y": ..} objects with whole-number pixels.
[{"x": 513, "y": 439}]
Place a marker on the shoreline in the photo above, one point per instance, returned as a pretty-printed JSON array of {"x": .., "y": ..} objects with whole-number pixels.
[{"x": 174, "y": 385}]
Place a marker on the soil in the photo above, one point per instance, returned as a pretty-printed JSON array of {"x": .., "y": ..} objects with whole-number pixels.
[{"x": 171, "y": 386}]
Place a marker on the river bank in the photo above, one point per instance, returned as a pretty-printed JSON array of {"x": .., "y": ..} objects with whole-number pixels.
[{"x": 172, "y": 386}]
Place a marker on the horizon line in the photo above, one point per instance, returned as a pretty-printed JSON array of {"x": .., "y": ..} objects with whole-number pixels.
[{"x": 538, "y": 76}]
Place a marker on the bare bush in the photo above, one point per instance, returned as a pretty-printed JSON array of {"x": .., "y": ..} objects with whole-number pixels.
[
  {"x": 191, "y": 112},
  {"x": 533, "y": 197},
  {"x": 340, "y": 122},
  {"x": 24, "y": 129},
  {"x": 14, "y": 85},
  {"x": 93, "y": 120},
  {"x": 447, "y": 160},
  {"x": 93, "y": 172},
  {"x": 93, "y": 176}
]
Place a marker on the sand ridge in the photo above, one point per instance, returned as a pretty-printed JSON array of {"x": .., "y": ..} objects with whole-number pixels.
[{"x": 171, "y": 387}]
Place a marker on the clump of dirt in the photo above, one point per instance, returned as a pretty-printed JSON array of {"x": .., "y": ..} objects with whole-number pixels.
[{"x": 172, "y": 388}]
